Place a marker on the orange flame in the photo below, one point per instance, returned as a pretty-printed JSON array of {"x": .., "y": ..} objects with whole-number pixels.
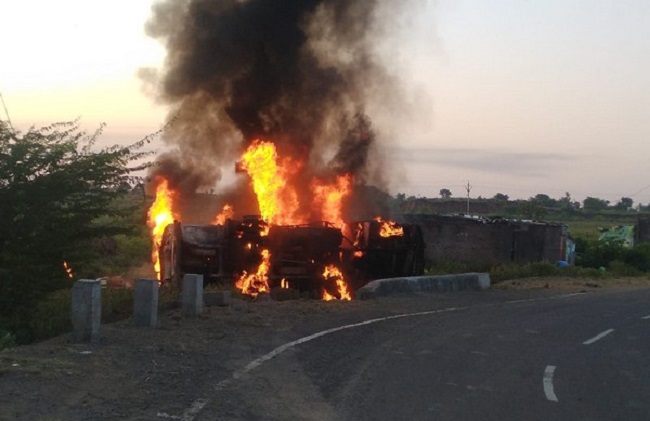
[
  {"x": 68, "y": 269},
  {"x": 160, "y": 215},
  {"x": 258, "y": 282},
  {"x": 284, "y": 284},
  {"x": 278, "y": 200},
  {"x": 390, "y": 228},
  {"x": 332, "y": 271},
  {"x": 329, "y": 198},
  {"x": 226, "y": 213}
]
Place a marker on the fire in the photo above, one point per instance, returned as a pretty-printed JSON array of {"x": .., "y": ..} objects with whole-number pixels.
[
  {"x": 257, "y": 282},
  {"x": 68, "y": 269},
  {"x": 160, "y": 215},
  {"x": 329, "y": 198},
  {"x": 389, "y": 228},
  {"x": 228, "y": 212},
  {"x": 279, "y": 204},
  {"x": 334, "y": 272},
  {"x": 278, "y": 200}
]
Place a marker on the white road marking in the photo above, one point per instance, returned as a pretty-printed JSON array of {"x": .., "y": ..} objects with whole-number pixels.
[
  {"x": 189, "y": 413},
  {"x": 646, "y": 317},
  {"x": 553, "y": 297},
  {"x": 199, "y": 404},
  {"x": 547, "y": 381},
  {"x": 601, "y": 335},
  {"x": 571, "y": 295}
]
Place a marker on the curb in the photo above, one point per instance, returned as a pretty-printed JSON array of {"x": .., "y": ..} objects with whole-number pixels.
[{"x": 414, "y": 284}]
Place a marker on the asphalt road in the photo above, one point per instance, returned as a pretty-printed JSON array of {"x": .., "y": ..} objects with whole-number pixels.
[{"x": 482, "y": 357}]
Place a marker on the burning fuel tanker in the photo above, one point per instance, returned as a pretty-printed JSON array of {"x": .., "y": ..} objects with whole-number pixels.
[
  {"x": 286, "y": 90},
  {"x": 316, "y": 257},
  {"x": 279, "y": 248}
]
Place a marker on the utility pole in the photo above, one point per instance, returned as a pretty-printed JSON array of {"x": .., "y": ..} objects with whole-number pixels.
[{"x": 468, "y": 188}]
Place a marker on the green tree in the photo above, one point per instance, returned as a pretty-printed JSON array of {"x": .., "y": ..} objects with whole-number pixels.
[
  {"x": 624, "y": 204},
  {"x": 532, "y": 210},
  {"x": 594, "y": 204},
  {"x": 544, "y": 200},
  {"x": 445, "y": 193},
  {"x": 501, "y": 196},
  {"x": 54, "y": 188}
]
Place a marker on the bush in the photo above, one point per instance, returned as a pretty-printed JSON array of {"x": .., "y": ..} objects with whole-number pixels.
[
  {"x": 638, "y": 257},
  {"x": 117, "y": 304},
  {"x": 508, "y": 271},
  {"x": 619, "y": 268},
  {"x": 614, "y": 255},
  {"x": 65, "y": 195},
  {"x": 7, "y": 340},
  {"x": 52, "y": 316}
]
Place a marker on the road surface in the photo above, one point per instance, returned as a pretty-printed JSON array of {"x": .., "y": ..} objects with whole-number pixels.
[{"x": 482, "y": 357}]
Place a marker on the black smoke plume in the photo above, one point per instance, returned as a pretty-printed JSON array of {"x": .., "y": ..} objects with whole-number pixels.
[{"x": 296, "y": 72}]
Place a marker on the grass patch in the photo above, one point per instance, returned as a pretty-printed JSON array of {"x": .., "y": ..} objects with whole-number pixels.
[{"x": 52, "y": 316}]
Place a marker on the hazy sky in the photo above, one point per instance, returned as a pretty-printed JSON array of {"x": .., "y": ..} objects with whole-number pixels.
[{"x": 516, "y": 97}]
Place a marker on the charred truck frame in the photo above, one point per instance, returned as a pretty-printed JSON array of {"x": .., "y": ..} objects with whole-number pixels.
[{"x": 363, "y": 250}]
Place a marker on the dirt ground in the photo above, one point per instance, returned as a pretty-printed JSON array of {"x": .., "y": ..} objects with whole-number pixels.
[{"x": 146, "y": 373}]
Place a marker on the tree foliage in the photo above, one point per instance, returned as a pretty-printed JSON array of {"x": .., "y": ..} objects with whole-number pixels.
[
  {"x": 595, "y": 204},
  {"x": 445, "y": 193},
  {"x": 54, "y": 187},
  {"x": 624, "y": 204}
]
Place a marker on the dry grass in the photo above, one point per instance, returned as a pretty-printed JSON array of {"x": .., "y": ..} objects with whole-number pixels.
[{"x": 572, "y": 284}]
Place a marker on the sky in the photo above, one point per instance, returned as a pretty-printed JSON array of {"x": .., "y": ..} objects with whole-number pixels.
[{"x": 513, "y": 97}]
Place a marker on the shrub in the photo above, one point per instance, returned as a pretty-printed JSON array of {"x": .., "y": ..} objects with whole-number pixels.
[
  {"x": 619, "y": 268},
  {"x": 615, "y": 256},
  {"x": 52, "y": 316},
  {"x": 508, "y": 271},
  {"x": 7, "y": 340}
]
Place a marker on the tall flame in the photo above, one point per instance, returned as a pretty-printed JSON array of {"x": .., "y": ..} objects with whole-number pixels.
[
  {"x": 334, "y": 272},
  {"x": 279, "y": 205},
  {"x": 257, "y": 282},
  {"x": 329, "y": 198},
  {"x": 278, "y": 200},
  {"x": 160, "y": 215}
]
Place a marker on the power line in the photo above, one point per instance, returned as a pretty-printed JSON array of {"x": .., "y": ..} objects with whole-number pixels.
[
  {"x": 6, "y": 112},
  {"x": 634, "y": 194}
]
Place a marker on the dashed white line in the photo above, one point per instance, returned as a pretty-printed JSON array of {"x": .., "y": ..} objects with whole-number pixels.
[
  {"x": 547, "y": 381},
  {"x": 646, "y": 317},
  {"x": 600, "y": 336}
]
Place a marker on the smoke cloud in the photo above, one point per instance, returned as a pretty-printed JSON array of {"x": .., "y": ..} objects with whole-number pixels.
[{"x": 297, "y": 72}]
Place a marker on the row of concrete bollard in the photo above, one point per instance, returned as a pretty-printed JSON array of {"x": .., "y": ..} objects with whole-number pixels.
[{"x": 87, "y": 305}]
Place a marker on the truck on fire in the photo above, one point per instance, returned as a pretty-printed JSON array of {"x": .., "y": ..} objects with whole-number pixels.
[{"x": 299, "y": 254}]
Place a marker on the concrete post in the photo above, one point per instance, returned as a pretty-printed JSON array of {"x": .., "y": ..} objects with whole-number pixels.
[
  {"x": 192, "y": 295},
  {"x": 86, "y": 310},
  {"x": 145, "y": 303}
]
